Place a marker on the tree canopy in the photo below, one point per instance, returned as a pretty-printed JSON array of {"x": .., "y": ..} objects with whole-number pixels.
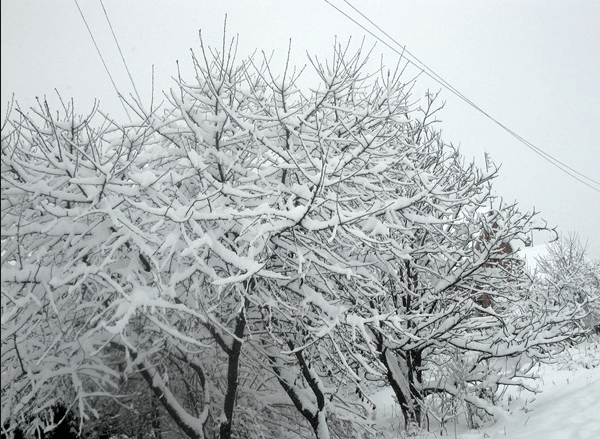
[{"x": 253, "y": 259}]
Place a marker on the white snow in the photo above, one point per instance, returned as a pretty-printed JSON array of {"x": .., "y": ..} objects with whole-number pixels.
[{"x": 568, "y": 406}]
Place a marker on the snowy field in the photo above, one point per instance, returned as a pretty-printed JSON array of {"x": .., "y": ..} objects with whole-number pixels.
[{"x": 567, "y": 407}]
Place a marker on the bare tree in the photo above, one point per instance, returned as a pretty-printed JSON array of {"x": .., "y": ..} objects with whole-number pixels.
[
  {"x": 254, "y": 258},
  {"x": 567, "y": 276}
]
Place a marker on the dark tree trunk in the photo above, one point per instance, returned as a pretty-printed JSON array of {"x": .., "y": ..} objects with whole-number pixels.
[
  {"x": 232, "y": 375},
  {"x": 414, "y": 360}
]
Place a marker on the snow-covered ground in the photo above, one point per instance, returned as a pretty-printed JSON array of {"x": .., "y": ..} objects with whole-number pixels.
[{"x": 568, "y": 406}]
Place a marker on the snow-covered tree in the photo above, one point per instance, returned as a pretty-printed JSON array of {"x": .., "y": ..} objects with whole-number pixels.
[
  {"x": 250, "y": 260},
  {"x": 566, "y": 276}
]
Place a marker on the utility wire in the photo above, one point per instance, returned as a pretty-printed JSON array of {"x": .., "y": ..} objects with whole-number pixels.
[
  {"x": 443, "y": 82},
  {"x": 121, "y": 53},
  {"x": 102, "y": 59},
  {"x": 429, "y": 72}
]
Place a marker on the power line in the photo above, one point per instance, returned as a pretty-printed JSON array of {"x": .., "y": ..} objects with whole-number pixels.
[
  {"x": 102, "y": 59},
  {"x": 554, "y": 161},
  {"x": 121, "y": 52},
  {"x": 429, "y": 72},
  {"x": 443, "y": 82}
]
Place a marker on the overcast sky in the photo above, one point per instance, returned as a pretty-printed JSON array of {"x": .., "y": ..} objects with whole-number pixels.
[{"x": 533, "y": 65}]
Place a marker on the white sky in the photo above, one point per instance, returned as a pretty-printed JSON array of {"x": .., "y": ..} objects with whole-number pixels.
[{"x": 534, "y": 65}]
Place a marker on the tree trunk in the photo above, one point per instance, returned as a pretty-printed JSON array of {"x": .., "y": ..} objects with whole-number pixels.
[
  {"x": 405, "y": 377},
  {"x": 232, "y": 375}
]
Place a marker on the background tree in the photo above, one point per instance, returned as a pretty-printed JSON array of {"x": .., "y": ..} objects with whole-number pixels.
[{"x": 567, "y": 277}]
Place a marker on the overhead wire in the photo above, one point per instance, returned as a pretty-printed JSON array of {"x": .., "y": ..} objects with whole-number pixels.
[
  {"x": 121, "y": 99},
  {"x": 120, "y": 52},
  {"x": 411, "y": 58},
  {"x": 449, "y": 86}
]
